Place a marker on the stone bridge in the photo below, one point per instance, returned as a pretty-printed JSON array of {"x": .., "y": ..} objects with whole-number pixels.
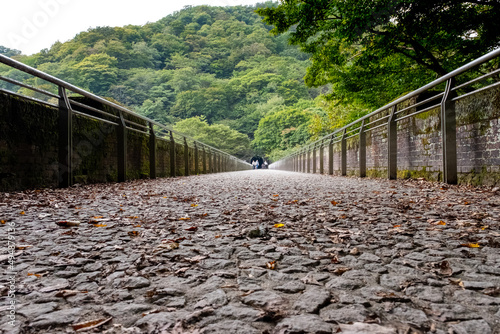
[{"x": 105, "y": 245}]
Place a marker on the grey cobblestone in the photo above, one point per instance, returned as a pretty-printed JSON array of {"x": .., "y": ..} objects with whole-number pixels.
[{"x": 177, "y": 256}]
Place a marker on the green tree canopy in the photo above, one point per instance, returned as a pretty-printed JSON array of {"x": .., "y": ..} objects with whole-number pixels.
[
  {"x": 217, "y": 135},
  {"x": 349, "y": 39}
]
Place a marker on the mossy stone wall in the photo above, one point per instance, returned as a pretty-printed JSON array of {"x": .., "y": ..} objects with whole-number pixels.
[
  {"x": 420, "y": 147},
  {"x": 29, "y": 147}
]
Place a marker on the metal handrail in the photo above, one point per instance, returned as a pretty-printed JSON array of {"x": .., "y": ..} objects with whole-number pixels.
[
  {"x": 398, "y": 110},
  {"x": 481, "y": 60},
  {"x": 61, "y": 83}
]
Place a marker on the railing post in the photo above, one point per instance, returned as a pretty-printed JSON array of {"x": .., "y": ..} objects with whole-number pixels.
[
  {"x": 304, "y": 161},
  {"x": 172, "y": 155},
  {"x": 362, "y": 150},
  {"x": 152, "y": 152},
  {"x": 186, "y": 157},
  {"x": 204, "y": 161},
  {"x": 196, "y": 160},
  {"x": 449, "y": 135},
  {"x": 321, "y": 158},
  {"x": 308, "y": 160},
  {"x": 344, "y": 154},
  {"x": 330, "y": 157},
  {"x": 65, "y": 153},
  {"x": 122, "y": 149},
  {"x": 392, "y": 142},
  {"x": 210, "y": 161},
  {"x": 314, "y": 162}
]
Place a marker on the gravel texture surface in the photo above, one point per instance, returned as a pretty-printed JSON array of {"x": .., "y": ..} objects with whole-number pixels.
[{"x": 253, "y": 252}]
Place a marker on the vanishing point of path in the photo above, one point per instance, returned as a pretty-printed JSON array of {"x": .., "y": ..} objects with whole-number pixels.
[{"x": 253, "y": 252}]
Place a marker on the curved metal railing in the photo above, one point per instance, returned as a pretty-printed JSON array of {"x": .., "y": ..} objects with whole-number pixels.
[
  {"x": 445, "y": 93},
  {"x": 125, "y": 120}
]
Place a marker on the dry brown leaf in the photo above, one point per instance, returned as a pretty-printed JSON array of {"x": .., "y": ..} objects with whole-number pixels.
[
  {"x": 88, "y": 325},
  {"x": 192, "y": 228},
  {"x": 69, "y": 293},
  {"x": 271, "y": 265},
  {"x": 471, "y": 245},
  {"x": 339, "y": 271}
]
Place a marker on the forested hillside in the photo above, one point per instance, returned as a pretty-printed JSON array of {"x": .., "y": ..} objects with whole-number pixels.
[{"x": 219, "y": 66}]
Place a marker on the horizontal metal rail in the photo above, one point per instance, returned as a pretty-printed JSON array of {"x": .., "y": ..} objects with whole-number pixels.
[
  {"x": 218, "y": 160},
  {"x": 367, "y": 123},
  {"x": 60, "y": 83}
]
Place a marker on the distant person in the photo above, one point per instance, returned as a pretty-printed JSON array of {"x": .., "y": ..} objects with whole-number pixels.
[
  {"x": 257, "y": 164},
  {"x": 266, "y": 165}
]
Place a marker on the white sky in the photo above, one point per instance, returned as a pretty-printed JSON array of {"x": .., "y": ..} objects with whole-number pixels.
[{"x": 33, "y": 25}]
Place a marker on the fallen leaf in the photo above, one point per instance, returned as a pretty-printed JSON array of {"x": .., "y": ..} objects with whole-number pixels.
[
  {"x": 137, "y": 225},
  {"x": 442, "y": 223},
  {"x": 170, "y": 245},
  {"x": 334, "y": 203},
  {"x": 279, "y": 225},
  {"x": 2, "y": 221},
  {"x": 97, "y": 217},
  {"x": 457, "y": 281},
  {"x": 192, "y": 228},
  {"x": 133, "y": 233},
  {"x": 445, "y": 268},
  {"x": 205, "y": 214},
  {"x": 23, "y": 213},
  {"x": 471, "y": 245},
  {"x": 36, "y": 275},
  {"x": 185, "y": 218},
  {"x": 196, "y": 258},
  {"x": 271, "y": 265},
  {"x": 396, "y": 226},
  {"x": 276, "y": 195},
  {"x": 194, "y": 205},
  {"x": 182, "y": 270},
  {"x": 133, "y": 217},
  {"x": 99, "y": 225},
  {"x": 494, "y": 292},
  {"x": 22, "y": 247},
  {"x": 218, "y": 236},
  {"x": 54, "y": 287},
  {"x": 88, "y": 325},
  {"x": 69, "y": 293},
  {"x": 339, "y": 271}
]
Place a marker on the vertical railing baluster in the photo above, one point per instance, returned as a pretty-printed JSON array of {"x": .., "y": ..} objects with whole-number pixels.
[
  {"x": 308, "y": 160},
  {"x": 314, "y": 160},
  {"x": 196, "y": 160},
  {"x": 65, "y": 153},
  {"x": 449, "y": 135},
  {"x": 321, "y": 158},
  {"x": 362, "y": 150},
  {"x": 172, "y": 155},
  {"x": 204, "y": 160},
  {"x": 392, "y": 143},
  {"x": 186, "y": 158},
  {"x": 210, "y": 161},
  {"x": 152, "y": 152},
  {"x": 330, "y": 156},
  {"x": 344, "y": 154},
  {"x": 122, "y": 149}
]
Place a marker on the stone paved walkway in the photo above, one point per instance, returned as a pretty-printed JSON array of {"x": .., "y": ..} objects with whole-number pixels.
[{"x": 254, "y": 252}]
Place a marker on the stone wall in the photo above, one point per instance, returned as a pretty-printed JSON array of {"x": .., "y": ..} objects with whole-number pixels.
[
  {"x": 29, "y": 148},
  {"x": 420, "y": 147}
]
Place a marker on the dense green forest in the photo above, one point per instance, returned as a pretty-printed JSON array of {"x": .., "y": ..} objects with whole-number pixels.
[
  {"x": 265, "y": 79},
  {"x": 211, "y": 72}
]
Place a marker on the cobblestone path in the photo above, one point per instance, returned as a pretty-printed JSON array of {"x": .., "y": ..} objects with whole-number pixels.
[{"x": 253, "y": 252}]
